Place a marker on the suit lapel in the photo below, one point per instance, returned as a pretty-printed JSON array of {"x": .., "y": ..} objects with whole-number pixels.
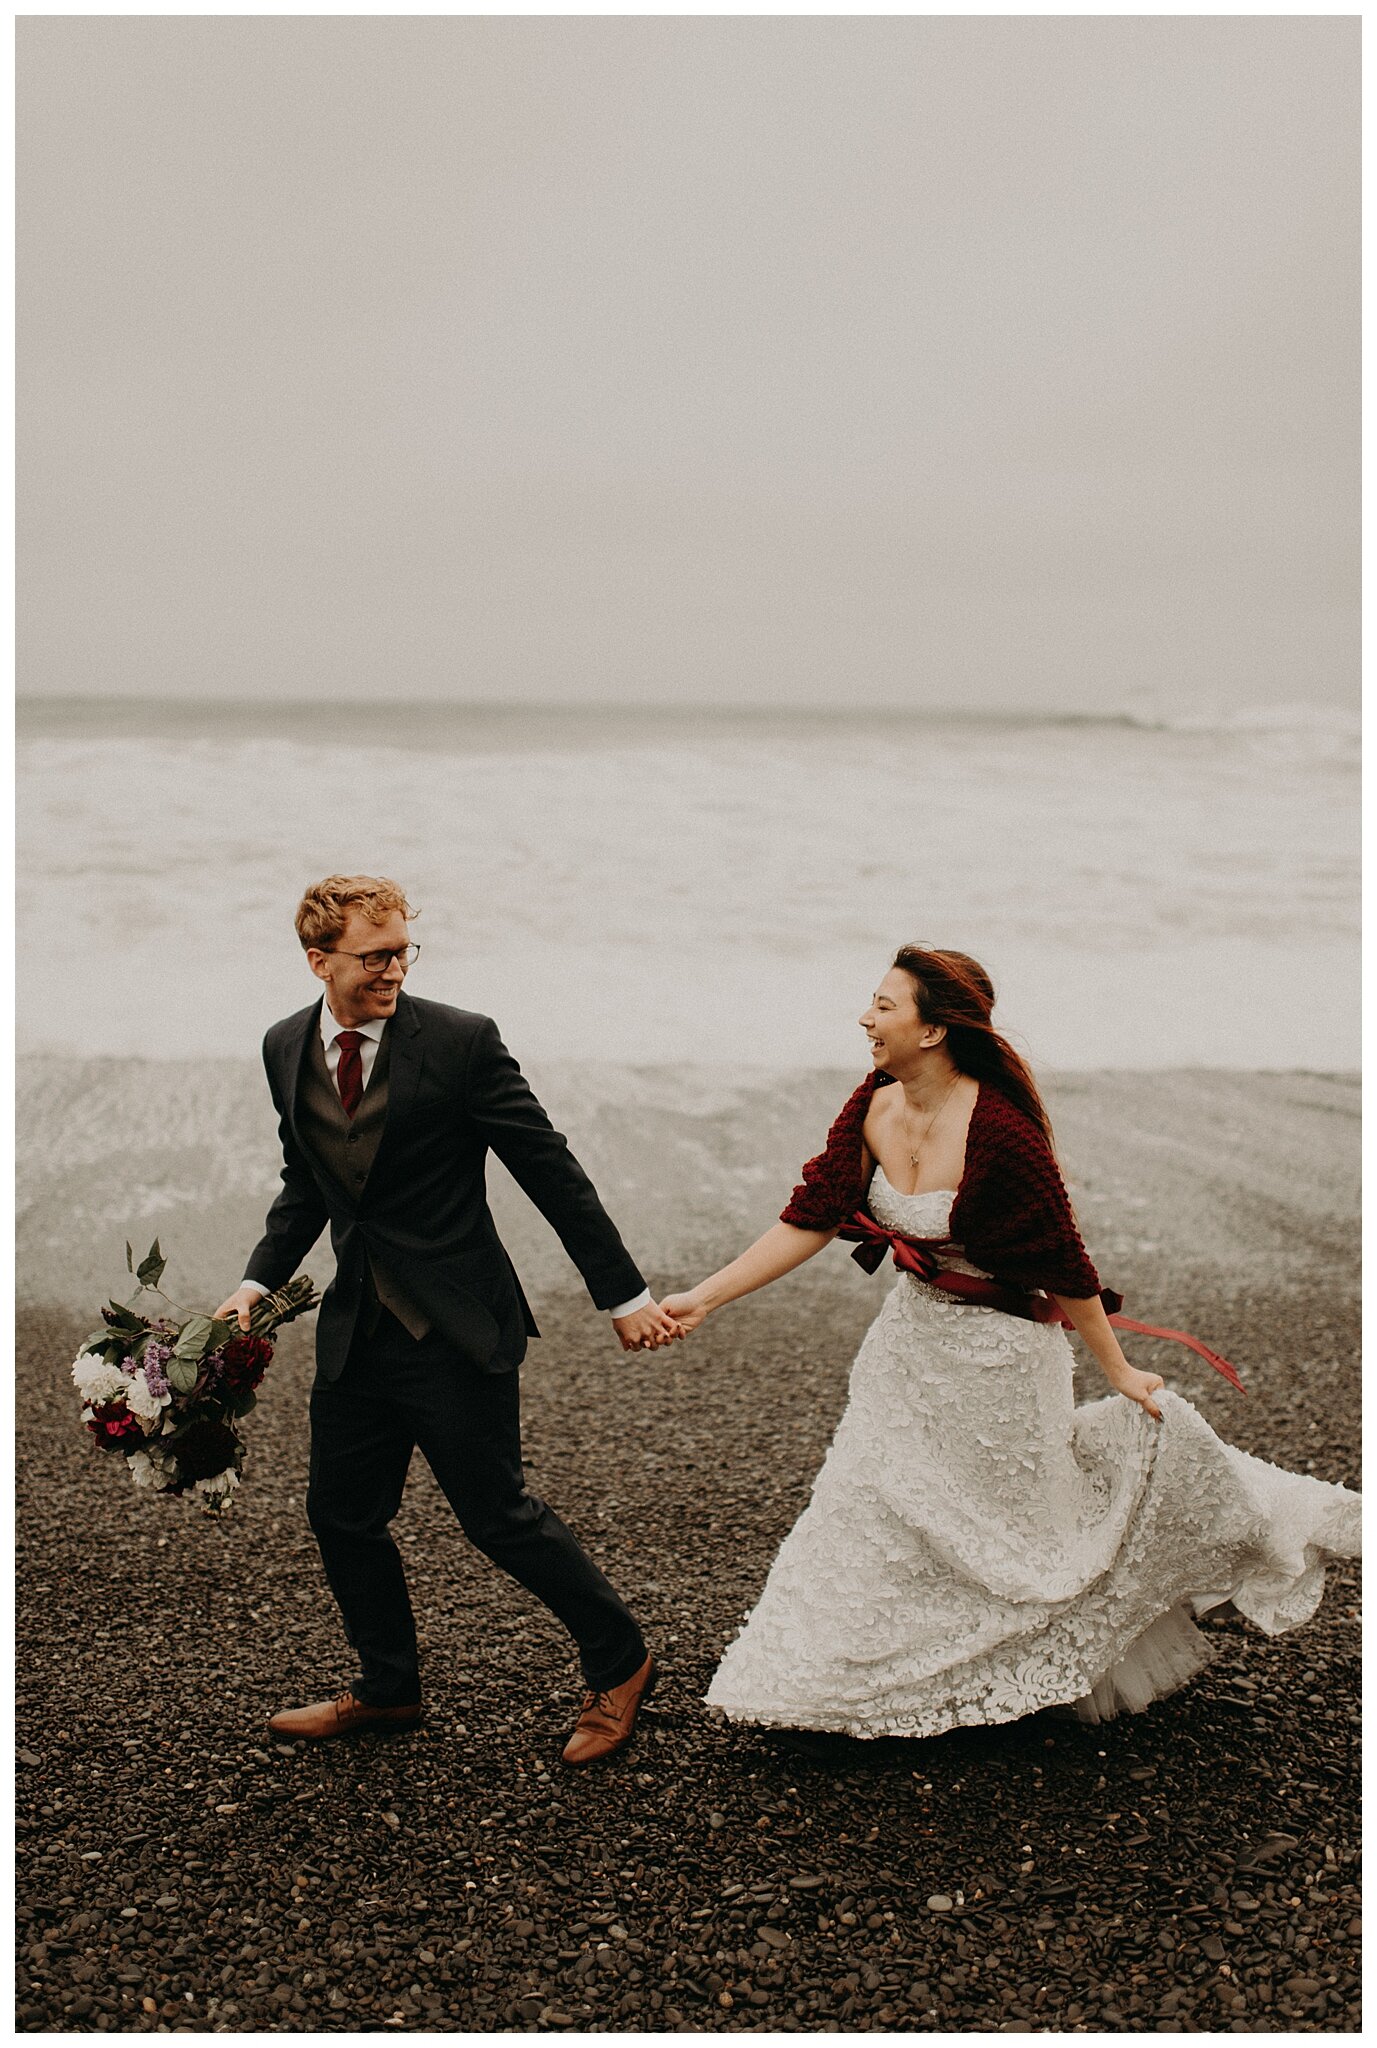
[{"x": 293, "y": 1054}]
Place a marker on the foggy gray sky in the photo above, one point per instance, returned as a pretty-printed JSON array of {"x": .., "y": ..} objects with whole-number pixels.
[{"x": 935, "y": 361}]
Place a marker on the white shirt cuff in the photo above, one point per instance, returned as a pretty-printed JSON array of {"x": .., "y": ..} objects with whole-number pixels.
[
  {"x": 629, "y": 1308},
  {"x": 256, "y": 1285}
]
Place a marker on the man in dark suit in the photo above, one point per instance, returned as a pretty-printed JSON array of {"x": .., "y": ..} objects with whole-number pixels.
[{"x": 388, "y": 1107}]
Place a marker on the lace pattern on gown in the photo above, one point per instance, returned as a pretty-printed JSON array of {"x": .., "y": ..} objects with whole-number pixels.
[{"x": 977, "y": 1547}]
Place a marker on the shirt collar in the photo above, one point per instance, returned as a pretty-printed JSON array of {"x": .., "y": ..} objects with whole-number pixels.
[{"x": 330, "y": 1030}]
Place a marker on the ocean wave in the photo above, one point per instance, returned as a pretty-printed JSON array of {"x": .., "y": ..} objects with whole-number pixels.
[
  {"x": 1293, "y": 720},
  {"x": 428, "y": 721}
]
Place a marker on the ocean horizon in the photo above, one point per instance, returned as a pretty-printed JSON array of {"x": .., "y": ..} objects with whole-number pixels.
[
  {"x": 711, "y": 886},
  {"x": 397, "y": 718}
]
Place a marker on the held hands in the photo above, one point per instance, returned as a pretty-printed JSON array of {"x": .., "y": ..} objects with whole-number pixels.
[
  {"x": 648, "y": 1329},
  {"x": 688, "y": 1312},
  {"x": 651, "y": 1328}
]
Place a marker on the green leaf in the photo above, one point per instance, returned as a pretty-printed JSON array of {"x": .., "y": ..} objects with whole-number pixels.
[
  {"x": 244, "y": 1405},
  {"x": 220, "y": 1333},
  {"x": 129, "y": 1255},
  {"x": 181, "y": 1373},
  {"x": 195, "y": 1339},
  {"x": 153, "y": 1267}
]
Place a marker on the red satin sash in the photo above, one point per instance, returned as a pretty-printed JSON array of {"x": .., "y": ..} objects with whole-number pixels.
[{"x": 919, "y": 1257}]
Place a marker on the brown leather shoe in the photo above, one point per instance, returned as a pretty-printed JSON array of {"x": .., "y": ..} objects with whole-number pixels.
[
  {"x": 342, "y": 1716},
  {"x": 607, "y": 1719}
]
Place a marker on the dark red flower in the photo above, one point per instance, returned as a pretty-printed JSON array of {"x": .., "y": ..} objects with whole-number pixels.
[
  {"x": 205, "y": 1449},
  {"x": 243, "y": 1362},
  {"x": 114, "y": 1428}
]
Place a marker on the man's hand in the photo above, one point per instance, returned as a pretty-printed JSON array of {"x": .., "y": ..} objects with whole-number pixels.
[
  {"x": 239, "y": 1304},
  {"x": 647, "y": 1330}
]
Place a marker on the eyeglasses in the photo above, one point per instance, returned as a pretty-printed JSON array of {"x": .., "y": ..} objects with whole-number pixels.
[{"x": 376, "y": 962}]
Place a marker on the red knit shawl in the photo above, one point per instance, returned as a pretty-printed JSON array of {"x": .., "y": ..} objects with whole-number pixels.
[{"x": 1011, "y": 1216}]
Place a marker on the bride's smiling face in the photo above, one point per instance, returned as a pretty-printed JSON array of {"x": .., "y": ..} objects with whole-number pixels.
[{"x": 898, "y": 1036}]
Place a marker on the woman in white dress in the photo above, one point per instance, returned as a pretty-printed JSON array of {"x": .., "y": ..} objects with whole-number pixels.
[{"x": 977, "y": 1547}]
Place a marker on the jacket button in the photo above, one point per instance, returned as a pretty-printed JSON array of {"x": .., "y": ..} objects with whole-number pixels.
[{"x": 360, "y": 1176}]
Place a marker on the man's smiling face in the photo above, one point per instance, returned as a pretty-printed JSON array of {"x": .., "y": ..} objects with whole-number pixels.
[{"x": 357, "y": 993}]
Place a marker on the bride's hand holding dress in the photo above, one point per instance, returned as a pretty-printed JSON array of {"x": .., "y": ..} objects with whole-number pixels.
[{"x": 1093, "y": 1327}]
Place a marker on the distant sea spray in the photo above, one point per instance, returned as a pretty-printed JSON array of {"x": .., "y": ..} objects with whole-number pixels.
[{"x": 1150, "y": 889}]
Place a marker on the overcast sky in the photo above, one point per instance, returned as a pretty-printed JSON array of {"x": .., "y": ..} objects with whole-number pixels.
[{"x": 989, "y": 362}]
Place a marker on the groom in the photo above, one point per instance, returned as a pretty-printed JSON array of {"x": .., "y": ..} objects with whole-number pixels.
[{"x": 388, "y": 1108}]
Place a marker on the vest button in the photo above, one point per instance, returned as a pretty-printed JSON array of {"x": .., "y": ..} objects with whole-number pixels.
[{"x": 352, "y": 1139}]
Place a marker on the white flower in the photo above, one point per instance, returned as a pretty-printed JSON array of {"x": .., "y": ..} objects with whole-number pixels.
[
  {"x": 153, "y": 1468},
  {"x": 141, "y": 1469},
  {"x": 222, "y": 1482},
  {"x": 214, "y": 1494},
  {"x": 97, "y": 1381},
  {"x": 143, "y": 1402}
]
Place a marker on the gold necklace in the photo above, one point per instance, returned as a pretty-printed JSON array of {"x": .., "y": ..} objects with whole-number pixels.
[{"x": 928, "y": 1127}]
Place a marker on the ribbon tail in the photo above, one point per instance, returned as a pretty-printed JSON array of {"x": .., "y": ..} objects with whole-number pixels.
[
  {"x": 868, "y": 1254},
  {"x": 1221, "y": 1365}
]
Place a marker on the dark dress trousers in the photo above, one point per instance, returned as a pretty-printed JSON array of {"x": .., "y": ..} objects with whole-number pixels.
[{"x": 422, "y": 1329}]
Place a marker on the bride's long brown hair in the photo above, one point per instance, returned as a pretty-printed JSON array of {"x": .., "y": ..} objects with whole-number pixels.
[{"x": 954, "y": 990}]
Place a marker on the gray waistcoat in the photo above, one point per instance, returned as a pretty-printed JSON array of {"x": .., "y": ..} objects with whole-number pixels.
[{"x": 349, "y": 1149}]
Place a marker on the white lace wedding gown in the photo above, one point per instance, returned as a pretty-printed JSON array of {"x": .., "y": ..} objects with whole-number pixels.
[{"x": 977, "y": 1547}]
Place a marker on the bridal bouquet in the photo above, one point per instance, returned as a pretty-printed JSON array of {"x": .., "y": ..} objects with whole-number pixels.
[{"x": 167, "y": 1394}]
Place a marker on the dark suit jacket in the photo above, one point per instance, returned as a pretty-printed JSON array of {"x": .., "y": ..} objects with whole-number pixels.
[{"x": 454, "y": 1091}]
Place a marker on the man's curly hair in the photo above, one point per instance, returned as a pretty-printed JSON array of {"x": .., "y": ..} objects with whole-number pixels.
[{"x": 324, "y": 910}]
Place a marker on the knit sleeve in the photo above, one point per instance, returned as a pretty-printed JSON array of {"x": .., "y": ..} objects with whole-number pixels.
[
  {"x": 833, "y": 1183},
  {"x": 1030, "y": 1235}
]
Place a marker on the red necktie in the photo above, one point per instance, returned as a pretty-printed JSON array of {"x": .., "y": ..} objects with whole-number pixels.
[{"x": 350, "y": 1075}]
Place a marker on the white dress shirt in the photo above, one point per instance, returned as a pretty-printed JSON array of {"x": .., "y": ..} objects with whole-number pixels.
[{"x": 372, "y": 1033}]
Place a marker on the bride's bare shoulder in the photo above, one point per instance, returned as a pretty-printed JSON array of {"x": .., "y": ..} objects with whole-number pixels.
[
  {"x": 878, "y": 1115},
  {"x": 883, "y": 1101}
]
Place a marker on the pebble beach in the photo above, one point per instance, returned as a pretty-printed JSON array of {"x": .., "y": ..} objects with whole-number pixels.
[{"x": 1190, "y": 1869}]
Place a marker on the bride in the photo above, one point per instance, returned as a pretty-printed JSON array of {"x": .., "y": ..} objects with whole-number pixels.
[{"x": 976, "y": 1546}]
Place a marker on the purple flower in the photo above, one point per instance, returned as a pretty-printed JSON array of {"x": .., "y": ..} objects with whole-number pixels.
[{"x": 155, "y": 1360}]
